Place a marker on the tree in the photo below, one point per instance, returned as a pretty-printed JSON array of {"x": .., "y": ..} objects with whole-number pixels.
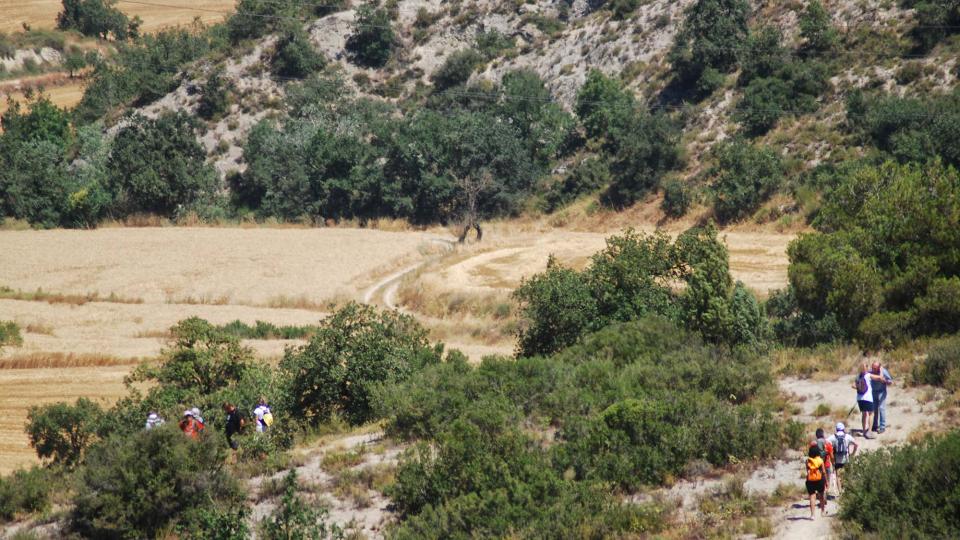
[
  {"x": 355, "y": 349},
  {"x": 744, "y": 177},
  {"x": 62, "y": 432},
  {"x": 99, "y": 18},
  {"x": 706, "y": 45},
  {"x": 373, "y": 39},
  {"x": 159, "y": 166},
  {"x": 456, "y": 69},
  {"x": 214, "y": 97},
  {"x": 74, "y": 62},
  {"x": 294, "y": 55},
  {"x": 817, "y": 28}
]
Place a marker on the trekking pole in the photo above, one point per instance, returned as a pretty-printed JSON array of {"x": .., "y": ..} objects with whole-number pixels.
[{"x": 851, "y": 411}]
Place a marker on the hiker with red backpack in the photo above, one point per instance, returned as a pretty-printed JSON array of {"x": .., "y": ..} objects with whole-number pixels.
[
  {"x": 816, "y": 477},
  {"x": 189, "y": 425},
  {"x": 826, "y": 452}
]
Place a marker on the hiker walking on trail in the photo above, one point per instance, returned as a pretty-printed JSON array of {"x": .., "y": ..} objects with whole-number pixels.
[
  {"x": 826, "y": 452},
  {"x": 234, "y": 424},
  {"x": 864, "y": 384},
  {"x": 879, "y": 387},
  {"x": 189, "y": 425},
  {"x": 816, "y": 480},
  {"x": 844, "y": 447},
  {"x": 263, "y": 415}
]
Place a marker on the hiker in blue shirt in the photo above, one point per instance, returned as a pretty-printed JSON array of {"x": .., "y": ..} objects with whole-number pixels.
[{"x": 879, "y": 389}]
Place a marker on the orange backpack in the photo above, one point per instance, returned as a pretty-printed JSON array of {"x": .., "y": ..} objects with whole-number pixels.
[{"x": 813, "y": 469}]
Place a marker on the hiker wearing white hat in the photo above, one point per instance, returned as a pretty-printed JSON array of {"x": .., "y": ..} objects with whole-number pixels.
[
  {"x": 842, "y": 451},
  {"x": 196, "y": 416},
  {"x": 189, "y": 425},
  {"x": 153, "y": 420}
]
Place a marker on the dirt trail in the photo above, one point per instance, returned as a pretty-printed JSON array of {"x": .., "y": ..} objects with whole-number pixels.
[{"x": 906, "y": 412}]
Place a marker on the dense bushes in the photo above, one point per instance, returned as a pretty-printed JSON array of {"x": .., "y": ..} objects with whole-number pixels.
[
  {"x": 936, "y": 19},
  {"x": 456, "y": 69},
  {"x": 744, "y": 177},
  {"x": 629, "y": 279},
  {"x": 866, "y": 267},
  {"x": 632, "y": 405},
  {"x": 354, "y": 350},
  {"x": 159, "y": 166},
  {"x": 294, "y": 55},
  {"x": 151, "y": 481},
  {"x": 907, "y": 492},
  {"x": 941, "y": 367},
  {"x": 910, "y": 129},
  {"x": 25, "y": 491}
]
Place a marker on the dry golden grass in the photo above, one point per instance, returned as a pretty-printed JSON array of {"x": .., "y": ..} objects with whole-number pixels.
[
  {"x": 22, "y": 388},
  {"x": 73, "y": 299},
  {"x": 39, "y": 360},
  {"x": 62, "y": 95},
  {"x": 43, "y": 13}
]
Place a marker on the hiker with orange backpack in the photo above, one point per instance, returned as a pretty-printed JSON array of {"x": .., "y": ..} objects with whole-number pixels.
[
  {"x": 825, "y": 448},
  {"x": 189, "y": 425},
  {"x": 816, "y": 480}
]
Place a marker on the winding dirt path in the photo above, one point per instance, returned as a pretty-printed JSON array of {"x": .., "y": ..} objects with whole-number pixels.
[{"x": 386, "y": 288}]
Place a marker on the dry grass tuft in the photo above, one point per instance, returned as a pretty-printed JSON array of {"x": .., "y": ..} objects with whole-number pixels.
[
  {"x": 62, "y": 360},
  {"x": 201, "y": 300},
  {"x": 39, "y": 328},
  {"x": 41, "y": 295}
]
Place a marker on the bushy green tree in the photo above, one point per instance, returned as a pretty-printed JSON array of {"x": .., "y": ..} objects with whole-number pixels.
[
  {"x": 257, "y": 18},
  {"x": 706, "y": 45},
  {"x": 62, "y": 432},
  {"x": 353, "y": 351},
  {"x": 157, "y": 165},
  {"x": 676, "y": 198},
  {"x": 373, "y": 39},
  {"x": 214, "y": 96},
  {"x": 817, "y": 28},
  {"x": 294, "y": 55},
  {"x": 148, "y": 482},
  {"x": 744, "y": 177},
  {"x": 936, "y": 19},
  {"x": 558, "y": 307},
  {"x": 99, "y": 18}
]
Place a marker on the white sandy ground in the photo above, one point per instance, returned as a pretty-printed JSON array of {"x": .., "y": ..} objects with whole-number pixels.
[{"x": 906, "y": 412}]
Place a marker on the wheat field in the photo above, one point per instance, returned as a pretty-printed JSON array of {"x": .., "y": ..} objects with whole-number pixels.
[
  {"x": 103, "y": 299},
  {"x": 43, "y": 13}
]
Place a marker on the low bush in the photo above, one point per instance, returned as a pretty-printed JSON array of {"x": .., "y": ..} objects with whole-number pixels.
[
  {"x": 744, "y": 177},
  {"x": 676, "y": 198},
  {"x": 294, "y": 56},
  {"x": 373, "y": 39},
  {"x": 25, "y": 491},
  {"x": 62, "y": 432},
  {"x": 214, "y": 97},
  {"x": 456, "y": 69},
  {"x": 588, "y": 176},
  {"x": 294, "y": 518},
  {"x": 10, "y": 334},
  {"x": 941, "y": 367},
  {"x": 911, "y": 491}
]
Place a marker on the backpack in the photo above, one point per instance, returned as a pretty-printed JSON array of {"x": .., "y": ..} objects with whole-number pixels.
[
  {"x": 268, "y": 418},
  {"x": 822, "y": 447},
  {"x": 862, "y": 384},
  {"x": 813, "y": 472},
  {"x": 840, "y": 450}
]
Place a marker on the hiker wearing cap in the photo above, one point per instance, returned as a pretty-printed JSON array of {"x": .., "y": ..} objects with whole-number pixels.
[
  {"x": 199, "y": 419},
  {"x": 234, "y": 424},
  {"x": 863, "y": 386},
  {"x": 153, "y": 420},
  {"x": 879, "y": 387},
  {"x": 844, "y": 447},
  {"x": 189, "y": 426},
  {"x": 816, "y": 480}
]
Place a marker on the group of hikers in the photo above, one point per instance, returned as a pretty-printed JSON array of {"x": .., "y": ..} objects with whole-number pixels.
[
  {"x": 192, "y": 424},
  {"x": 827, "y": 456}
]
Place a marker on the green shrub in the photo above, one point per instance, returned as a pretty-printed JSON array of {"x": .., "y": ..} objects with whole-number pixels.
[
  {"x": 355, "y": 349},
  {"x": 257, "y": 18},
  {"x": 936, "y": 19},
  {"x": 491, "y": 43},
  {"x": 456, "y": 69},
  {"x": 763, "y": 103},
  {"x": 676, "y": 198},
  {"x": 373, "y": 39},
  {"x": 214, "y": 97},
  {"x": 622, "y": 9},
  {"x": 941, "y": 367},
  {"x": 906, "y": 492},
  {"x": 10, "y": 334},
  {"x": 744, "y": 177},
  {"x": 295, "y": 518},
  {"x": 152, "y": 481},
  {"x": 817, "y": 29},
  {"x": 294, "y": 55},
  {"x": 706, "y": 46},
  {"x": 62, "y": 432},
  {"x": 25, "y": 491}
]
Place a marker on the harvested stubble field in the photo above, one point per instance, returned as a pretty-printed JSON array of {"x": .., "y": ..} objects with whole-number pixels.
[
  {"x": 43, "y": 13},
  {"x": 107, "y": 297}
]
